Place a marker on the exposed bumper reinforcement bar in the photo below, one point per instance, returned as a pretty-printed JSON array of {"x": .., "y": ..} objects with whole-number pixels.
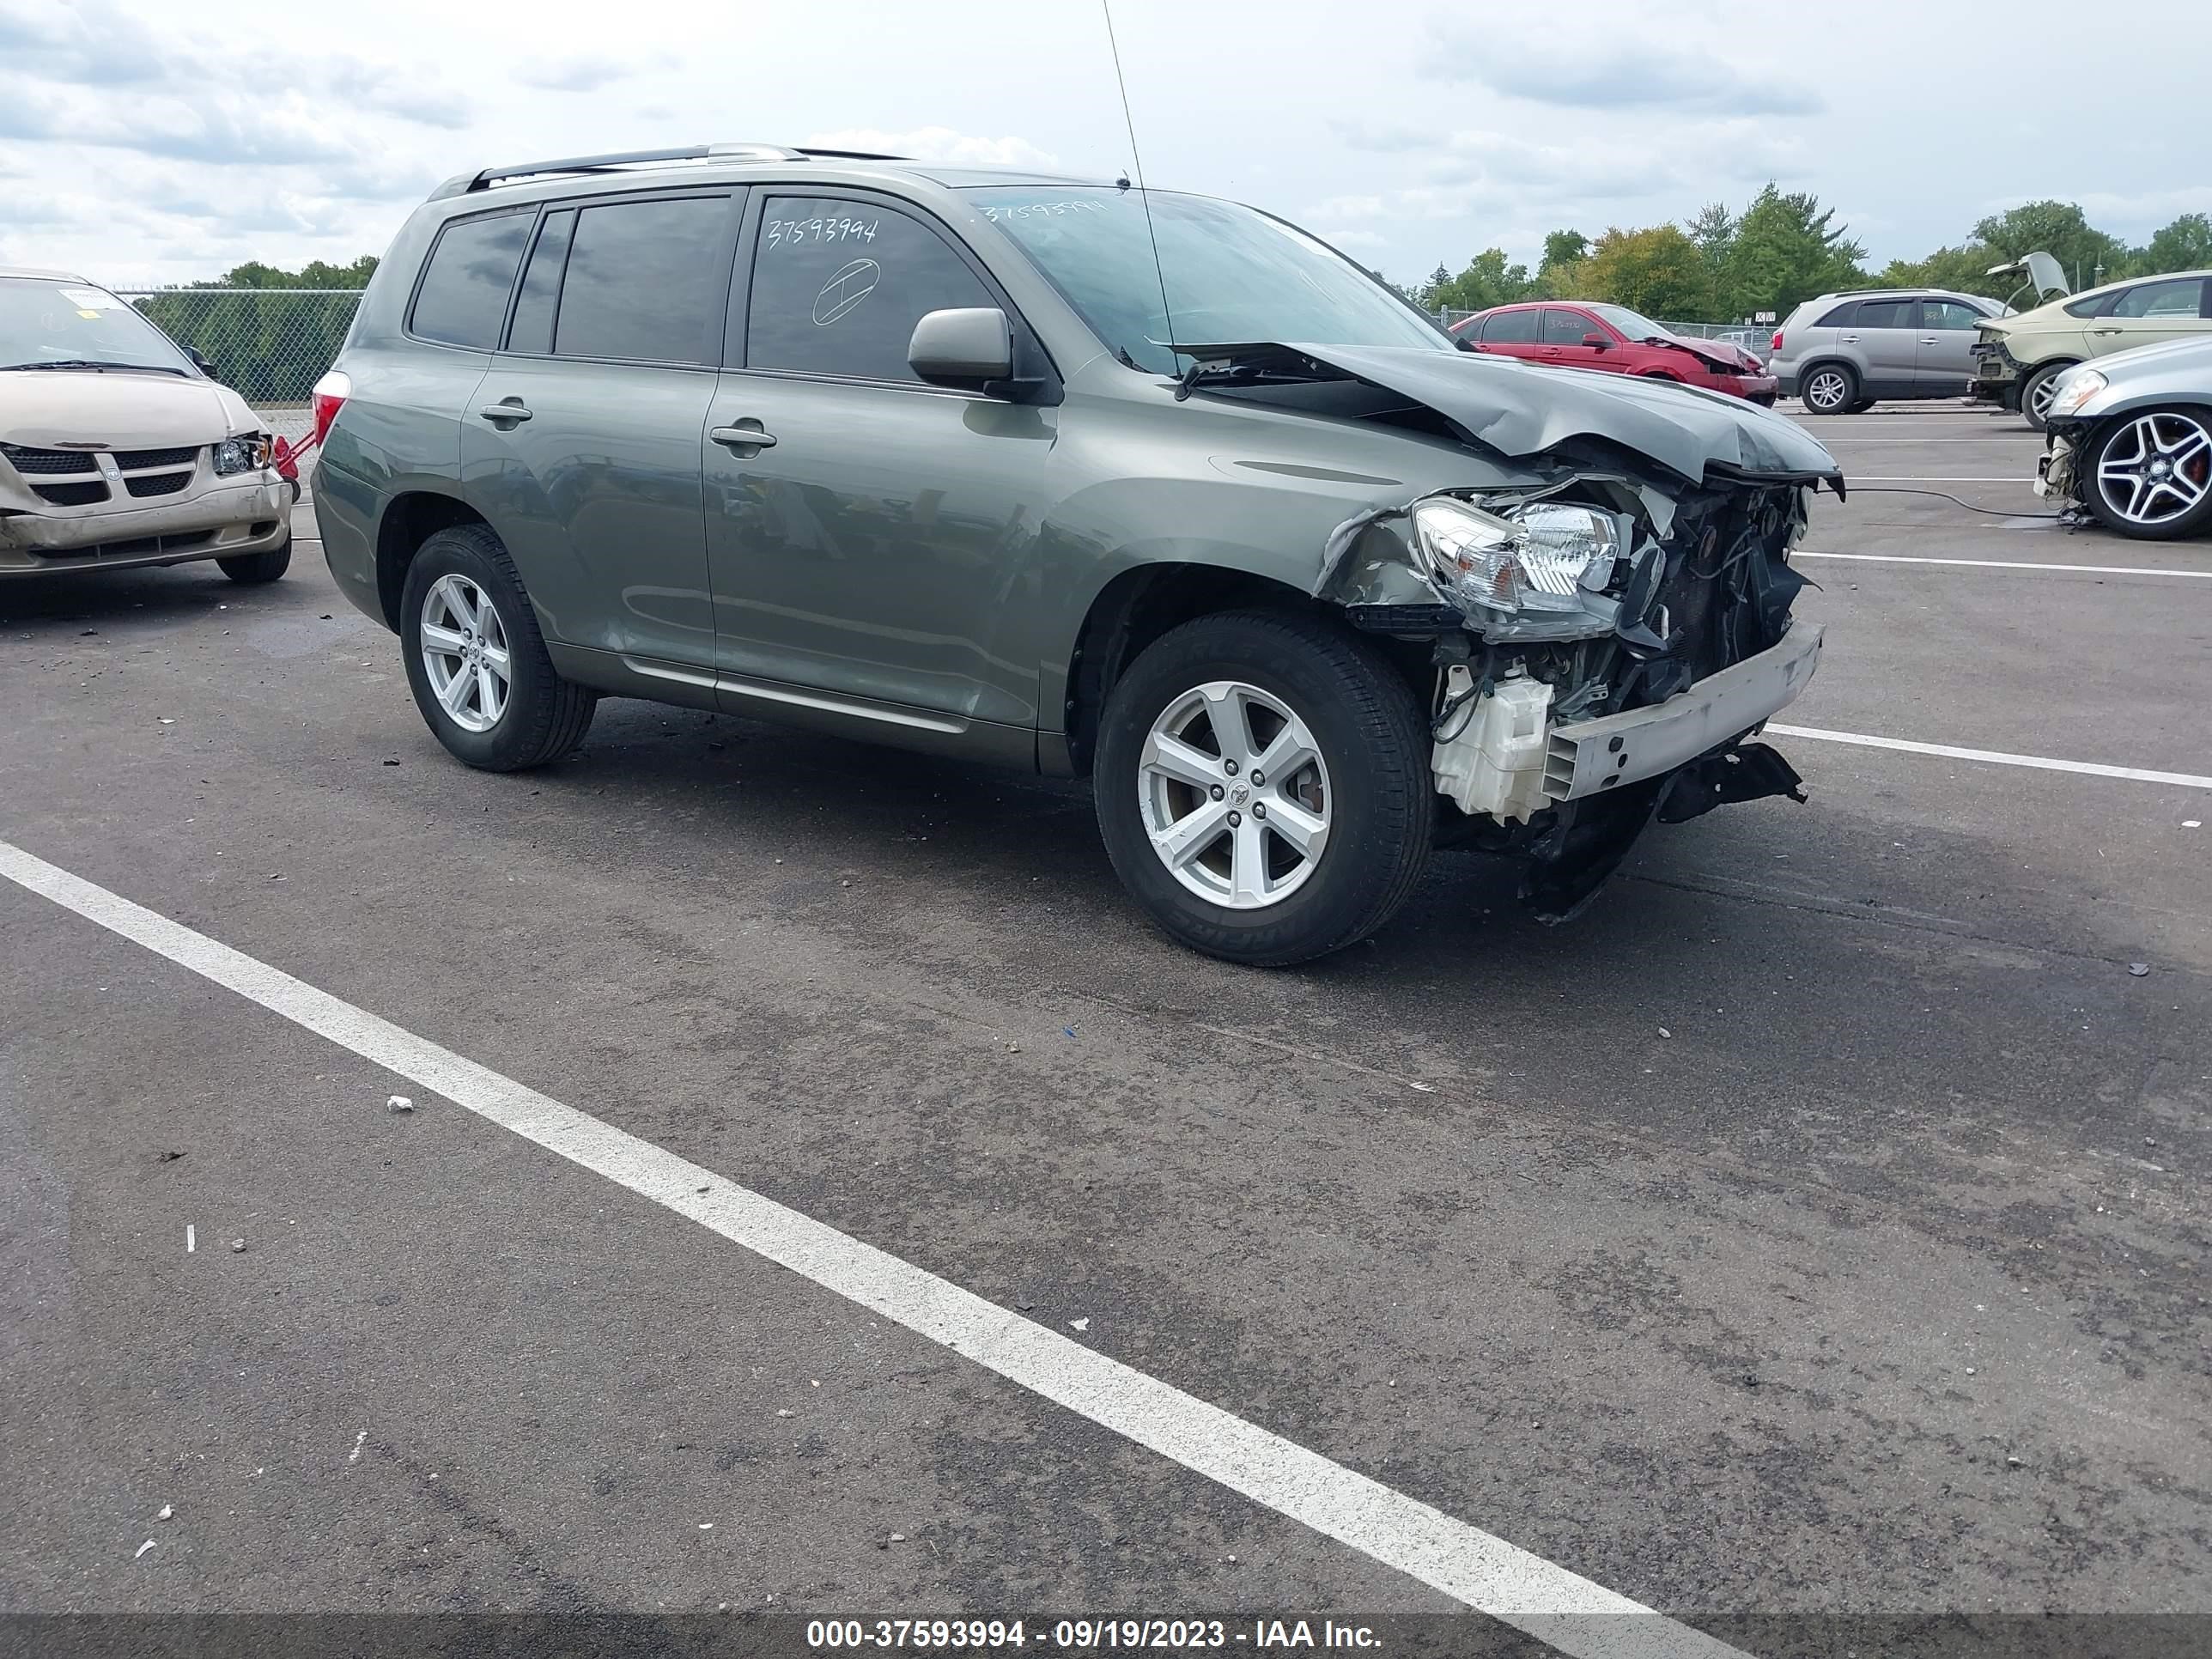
[{"x": 1593, "y": 757}]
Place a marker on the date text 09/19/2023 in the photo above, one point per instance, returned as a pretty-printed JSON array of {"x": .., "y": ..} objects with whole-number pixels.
[{"x": 1089, "y": 1635}]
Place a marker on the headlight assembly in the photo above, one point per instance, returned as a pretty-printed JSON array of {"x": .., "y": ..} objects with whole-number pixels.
[
  {"x": 2075, "y": 388},
  {"x": 1543, "y": 563},
  {"x": 248, "y": 454}
]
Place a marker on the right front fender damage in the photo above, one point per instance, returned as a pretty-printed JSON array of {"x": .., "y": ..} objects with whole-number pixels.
[{"x": 1560, "y": 734}]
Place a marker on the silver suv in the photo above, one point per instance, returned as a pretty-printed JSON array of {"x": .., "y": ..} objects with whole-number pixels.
[{"x": 1840, "y": 352}]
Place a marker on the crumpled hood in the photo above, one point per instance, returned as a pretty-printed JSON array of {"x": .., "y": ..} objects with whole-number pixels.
[
  {"x": 1519, "y": 409},
  {"x": 1721, "y": 354},
  {"x": 121, "y": 411}
]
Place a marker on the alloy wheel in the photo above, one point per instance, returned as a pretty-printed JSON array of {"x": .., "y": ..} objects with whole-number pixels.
[
  {"x": 2041, "y": 395},
  {"x": 1235, "y": 795},
  {"x": 464, "y": 654},
  {"x": 2156, "y": 468},
  {"x": 1828, "y": 390}
]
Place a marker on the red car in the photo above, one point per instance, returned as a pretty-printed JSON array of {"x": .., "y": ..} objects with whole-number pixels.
[{"x": 1614, "y": 339}]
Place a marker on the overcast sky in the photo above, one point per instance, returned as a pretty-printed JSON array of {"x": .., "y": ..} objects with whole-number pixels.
[{"x": 144, "y": 142}]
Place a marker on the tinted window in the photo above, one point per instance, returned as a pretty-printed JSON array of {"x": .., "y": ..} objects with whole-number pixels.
[
  {"x": 1840, "y": 317},
  {"x": 2180, "y": 297},
  {"x": 1947, "y": 314},
  {"x": 1509, "y": 328},
  {"x": 646, "y": 279},
  {"x": 541, "y": 286},
  {"x": 1884, "y": 314},
  {"x": 838, "y": 287},
  {"x": 462, "y": 298},
  {"x": 1567, "y": 327}
]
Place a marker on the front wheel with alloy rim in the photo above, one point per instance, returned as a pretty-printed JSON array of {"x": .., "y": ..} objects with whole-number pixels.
[
  {"x": 475, "y": 661},
  {"x": 2150, "y": 473},
  {"x": 1262, "y": 786},
  {"x": 1829, "y": 389},
  {"x": 2037, "y": 391}
]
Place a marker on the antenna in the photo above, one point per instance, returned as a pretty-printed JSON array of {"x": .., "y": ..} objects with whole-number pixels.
[{"x": 1144, "y": 195}]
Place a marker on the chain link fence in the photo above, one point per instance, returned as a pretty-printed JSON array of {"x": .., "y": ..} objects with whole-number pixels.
[{"x": 270, "y": 345}]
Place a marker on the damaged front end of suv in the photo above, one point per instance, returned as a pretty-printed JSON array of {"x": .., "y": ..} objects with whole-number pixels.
[{"x": 1606, "y": 637}]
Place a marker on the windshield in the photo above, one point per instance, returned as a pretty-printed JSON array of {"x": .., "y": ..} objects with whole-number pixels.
[
  {"x": 1234, "y": 276},
  {"x": 1634, "y": 324},
  {"x": 43, "y": 321}
]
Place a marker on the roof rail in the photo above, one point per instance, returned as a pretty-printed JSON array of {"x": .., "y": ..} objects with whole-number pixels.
[{"x": 615, "y": 159}]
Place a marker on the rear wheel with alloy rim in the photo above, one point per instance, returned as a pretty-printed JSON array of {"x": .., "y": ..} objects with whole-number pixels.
[
  {"x": 1830, "y": 389},
  {"x": 1262, "y": 786},
  {"x": 475, "y": 661},
  {"x": 2150, "y": 473},
  {"x": 2037, "y": 391}
]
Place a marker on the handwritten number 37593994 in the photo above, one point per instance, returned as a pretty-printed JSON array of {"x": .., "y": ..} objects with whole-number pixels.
[{"x": 801, "y": 233}]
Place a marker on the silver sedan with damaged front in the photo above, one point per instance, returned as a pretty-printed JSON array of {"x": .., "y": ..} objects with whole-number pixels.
[
  {"x": 2129, "y": 438},
  {"x": 117, "y": 448}
]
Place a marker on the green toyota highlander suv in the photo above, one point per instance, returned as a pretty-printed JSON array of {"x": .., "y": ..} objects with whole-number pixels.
[{"x": 1157, "y": 490}]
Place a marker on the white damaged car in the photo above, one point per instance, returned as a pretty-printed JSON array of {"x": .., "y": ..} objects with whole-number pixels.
[{"x": 117, "y": 447}]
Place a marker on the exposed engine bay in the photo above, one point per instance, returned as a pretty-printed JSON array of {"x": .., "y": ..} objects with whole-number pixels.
[{"x": 1605, "y": 638}]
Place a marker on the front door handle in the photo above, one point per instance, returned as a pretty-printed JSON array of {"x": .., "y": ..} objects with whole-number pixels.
[
  {"x": 507, "y": 412},
  {"x": 747, "y": 436},
  {"x": 2104, "y": 331}
]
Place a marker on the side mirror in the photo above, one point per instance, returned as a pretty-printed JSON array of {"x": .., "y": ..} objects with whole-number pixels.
[
  {"x": 966, "y": 348},
  {"x": 1597, "y": 342},
  {"x": 199, "y": 362}
]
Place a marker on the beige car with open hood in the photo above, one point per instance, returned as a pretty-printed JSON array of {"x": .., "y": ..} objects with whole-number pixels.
[{"x": 117, "y": 448}]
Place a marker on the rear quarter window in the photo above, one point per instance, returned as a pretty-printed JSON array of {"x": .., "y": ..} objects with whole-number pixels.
[
  {"x": 462, "y": 298},
  {"x": 1839, "y": 316}
]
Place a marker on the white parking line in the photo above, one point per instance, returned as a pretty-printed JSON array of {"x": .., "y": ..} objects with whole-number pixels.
[
  {"x": 2005, "y": 564},
  {"x": 1549, "y": 1602},
  {"x": 1851, "y": 478},
  {"x": 2024, "y": 438},
  {"x": 1996, "y": 756}
]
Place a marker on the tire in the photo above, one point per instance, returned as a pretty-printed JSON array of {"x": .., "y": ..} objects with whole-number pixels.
[
  {"x": 1829, "y": 388},
  {"x": 254, "y": 568},
  {"x": 1370, "y": 788},
  {"x": 2138, "y": 505},
  {"x": 1859, "y": 405},
  {"x": 540, "y": 717},
  {"x": 2036, "y": 390}
]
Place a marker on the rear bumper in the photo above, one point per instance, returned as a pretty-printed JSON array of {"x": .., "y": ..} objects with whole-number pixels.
[
  {"x": 217, "y": 523},
  {"x": 1591, "y": 757}
]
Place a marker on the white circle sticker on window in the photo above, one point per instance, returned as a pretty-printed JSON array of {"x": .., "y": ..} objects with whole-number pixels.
[{"x": 847, "y": 287}]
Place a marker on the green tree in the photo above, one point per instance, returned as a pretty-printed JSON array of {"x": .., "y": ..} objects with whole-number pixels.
[
  {"x": 2060, "y": 230},
  {"x": 1787, "y": 249},
  {"x": 2185, "y": 245},
  {"x": 1487, "y": 281},
  {"x": 1713, "y": 229},
  {"x": 1658, "y": 272},
  {"x": 1564, "y": 249}
]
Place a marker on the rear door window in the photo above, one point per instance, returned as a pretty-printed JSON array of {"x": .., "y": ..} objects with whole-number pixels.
[
  {"x": 532, "y": 330},
  {"x": 1567, "y": 327},
  {"x": 462, "y": 298},
  {"x": 838, "y": 285},
  {"x": 646, "y": 281},
  {"x": 1884, "y": 314},
  {"x": 1511, "y": 328},
  {"x": 2179, "y": 297}
]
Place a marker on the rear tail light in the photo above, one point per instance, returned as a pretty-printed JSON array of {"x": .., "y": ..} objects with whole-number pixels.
[
  {"x": 1776, "y": 346},
  {"x": 330, "y": 394}
]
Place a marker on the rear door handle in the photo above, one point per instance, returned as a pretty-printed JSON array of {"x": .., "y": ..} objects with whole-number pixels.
[
  {"x": 2104, "y": 331},
  {"x": 1851, "y": 339},
  {"x": 747, "y": 434},
  {"x": 507, "y": 413}
]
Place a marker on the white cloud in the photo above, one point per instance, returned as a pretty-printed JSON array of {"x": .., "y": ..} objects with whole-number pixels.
[{"x": 1608, "y": 69}]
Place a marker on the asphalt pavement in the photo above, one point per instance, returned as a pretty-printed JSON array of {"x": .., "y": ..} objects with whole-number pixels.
[{"x": 1815, "y": 1228}]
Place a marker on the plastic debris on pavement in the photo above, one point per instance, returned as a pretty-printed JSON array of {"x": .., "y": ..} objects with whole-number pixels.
[{"x": 399, "y": 1103}]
